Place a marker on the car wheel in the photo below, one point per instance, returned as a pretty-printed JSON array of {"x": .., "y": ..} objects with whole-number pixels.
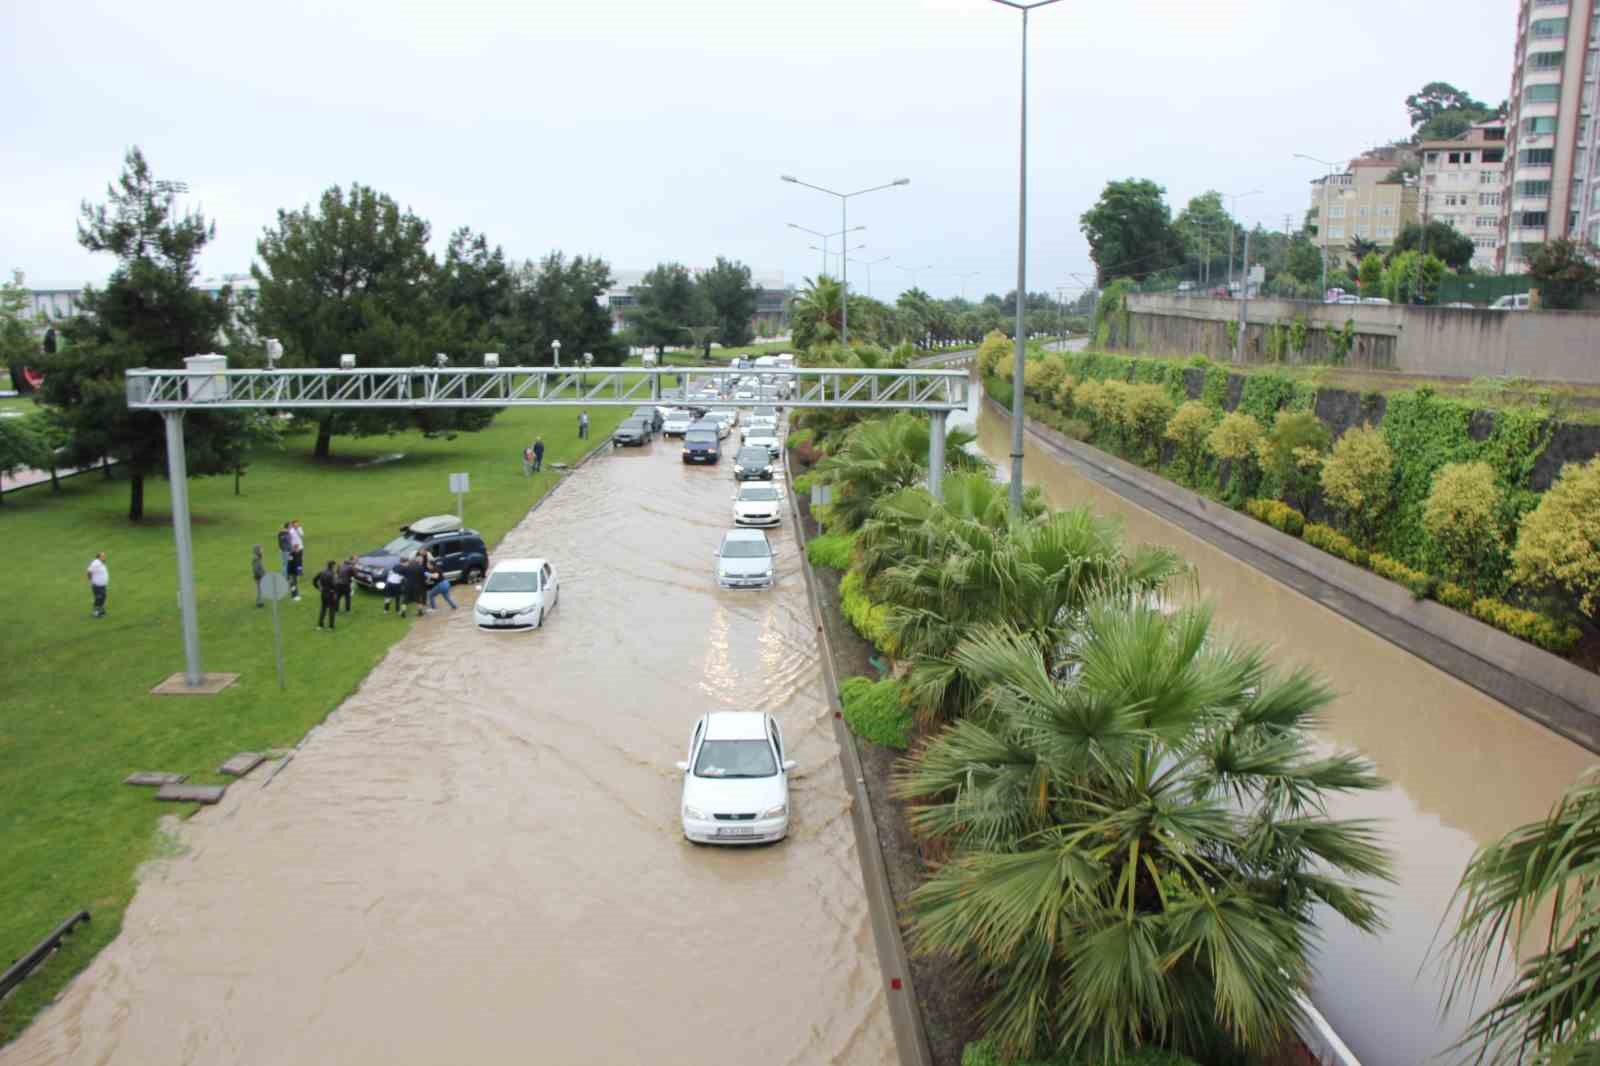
[
  {"x": 540, "y": 623},
  {"x": 471, "y": 575}
]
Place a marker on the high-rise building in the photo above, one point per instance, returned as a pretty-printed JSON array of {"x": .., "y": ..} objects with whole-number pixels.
[
  {"x": 1552, "y": 162},
  {"x": 1462, "y": 185}
]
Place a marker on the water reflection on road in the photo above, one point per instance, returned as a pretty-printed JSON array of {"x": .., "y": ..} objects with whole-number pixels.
[
  {"x": 1463, "y": 767},
  {"x": 478, "y": 857}
]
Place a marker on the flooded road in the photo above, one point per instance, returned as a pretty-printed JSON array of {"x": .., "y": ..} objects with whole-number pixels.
[
  {"x": 1463, "y": 767},
  {"x": 478, "y": 857}
]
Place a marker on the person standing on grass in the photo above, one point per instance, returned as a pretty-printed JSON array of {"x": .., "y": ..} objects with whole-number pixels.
[
  {"x": 327, "y": 583},
  {"x": 285, "y": 547},
  {"x": 258, "y": 570},
  {"x": 394, "y": 586},
  {"x": 411, "y": 583},
  {"x": 99, "y": 579},
  {"x": 527, "y": 461},
  {"x": 538, "y": 453},
  {"x": 583, "y": 425},
  {"x": 440, "y": 587},
  {"x": 346, "y": 578},
  {"x": 297, "y": 557}
]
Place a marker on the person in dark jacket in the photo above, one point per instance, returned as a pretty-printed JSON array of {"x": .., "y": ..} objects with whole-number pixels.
[
  {"x": 538, "y": 453},
  {"x": 327, "y": 583},
  {"x": 346, "y": 577},
  {"x": 258, "y": 570},
  {"x": 394, "y": 586},
  {"x": 411, "y": 572}
]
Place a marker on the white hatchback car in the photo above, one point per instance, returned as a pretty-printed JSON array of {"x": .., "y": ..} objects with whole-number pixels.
[
  {"x": 763, "y": 437},
  {"x": 735, "y": 780},
  {"x": 757, "y": 503},
  {"x": 517, "y": 594},
  {"x": 676, "y": 422}
]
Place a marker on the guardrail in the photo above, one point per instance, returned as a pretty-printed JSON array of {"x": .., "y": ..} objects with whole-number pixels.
[{"x": 20, "y": 969}]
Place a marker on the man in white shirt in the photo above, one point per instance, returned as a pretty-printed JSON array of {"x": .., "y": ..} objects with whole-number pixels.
[{"x": 99, "y": 578}]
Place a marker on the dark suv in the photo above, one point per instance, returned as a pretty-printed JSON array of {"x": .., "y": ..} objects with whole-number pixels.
[
  {"x": 701, "y": 444},
  {"x": 650, "y": 415},
  {"x": 460, "y": 552}
]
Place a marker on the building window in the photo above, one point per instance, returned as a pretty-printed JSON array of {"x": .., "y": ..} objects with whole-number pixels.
[
  {"x": 1385, "y": 212},
  {"x": 1530, "y": 219},
  {"x": 1335, "y": 232},
  {"x": 1493, "y": 155},
  {"x": 1543, "y": 93},
  {"x": 1488, "y": 199},
  {"x": 1486, "y": 221},
  {"x": 1455, "y": 157},
  {"x": 1536, "y": 157},
  {"x": 1546, "y": 60},
  {"x": 1548, "y": 28},
  {"x": 1533, "y": 188},
  {"x": 1362, "y": 212},
  {"x": 1433, "y": 157},
  {"x": 1535, "y": 126},
  {"x": 1385, "y": 231},
  {"x": 1333, "y": 212},
  {"x": 1360, "y": 231},
  {"x": 1489, "y": 177}
]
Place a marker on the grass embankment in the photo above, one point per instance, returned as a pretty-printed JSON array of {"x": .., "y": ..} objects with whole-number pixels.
[{"x": 78, "y": 716}]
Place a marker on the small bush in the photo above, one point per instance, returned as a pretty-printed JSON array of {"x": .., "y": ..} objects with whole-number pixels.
[
  {"x": 1453, "y": 595},
  {"x": 992, "y": 352},
  {"x": 986, "y": 1052},
  {"x": 1334, "y": 543},
  {"x": 834, "y": 550},
  {"x": 1278, "y": 515},
  {"x": 1531, "y": 626},
  {"x": 1076, "y": 428},
  {"x": 802, "y": 484},
  {"x": 1420, "y": 584},
  {"x": 875, "y": 711},
  {"x": 1462, "y": 515},
  {"x": 799, "y": 437},
  {"x": 869, "y": 619},
  {"x": 1357, "y": 477},
  {"x": 1558, "y": 542},
  {"x": 1063, "y": 394},
  {"x": 823, "y": 513}
]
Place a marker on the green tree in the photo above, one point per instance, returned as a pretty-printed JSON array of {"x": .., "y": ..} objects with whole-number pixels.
[
  {"x": 22, "y": 445},
  {"x": 1234, "y": 441},
  {"x": 1130, "y": 232},
  {"x": 1462, "y": 515},
  {"x": 1558, "y": 542},
  {"x": 1439, "y": 239},
  {"x": 1438, "y": 97},
  {"x": 1357, "y": 479},
  {"x": 1371, "y": 276},
  {"x": 818, "y": 313},
  {"x": 354, "y": 274},
  {"x": 1292, "y": 453},
  {"x": 668, "y": 304},
  {"x": 1204, "y": 227},
  {"x": 730, "y": 294},
  {"x": 1139, "y": 844},
  {"x": 148, "y": 315},
  {"x": 18, "y": 346},
  {"x": 881, "y": 456},
  {"x": 559, "y": 299},
  {"x": 1188, "y": 429},
  {"x": 1529, "y": 897},
  {"x": 1413, "y": 278},
  {"x": 476, "y": 281},
  {"x": 1564, "y": 272},
  {"x": 1304, "y": 262}
]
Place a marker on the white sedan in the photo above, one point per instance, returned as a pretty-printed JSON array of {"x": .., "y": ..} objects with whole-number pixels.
[
  {"x": 758, "y": 503},
  {"x": 763, "y": 437},
  {"x": 676, "y": 422},
  {"x": 517, "y": 594},
  {"x": 736, "y": 780}
]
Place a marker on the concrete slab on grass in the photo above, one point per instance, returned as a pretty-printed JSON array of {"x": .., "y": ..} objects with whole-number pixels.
[
  {"x": 210, "y": 685},
  {"x": 241, "y": 764},
  {"x": 152, "y": 777},
  {"x": 191, "y": 793}
]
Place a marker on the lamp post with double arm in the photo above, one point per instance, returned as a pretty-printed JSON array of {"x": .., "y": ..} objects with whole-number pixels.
[{"x": 844, "y": 227}]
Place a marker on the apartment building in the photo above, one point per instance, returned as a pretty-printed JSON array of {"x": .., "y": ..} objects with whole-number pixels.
[
  {"x": 1463, "y": 185},
  {"x": 1551, "y": 150},
  {"x": 1363, "y": 203}
]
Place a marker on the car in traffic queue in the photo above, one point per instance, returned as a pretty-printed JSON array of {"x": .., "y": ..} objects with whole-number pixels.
[
  {"x": 701, "y": 445},
  {"x": 745, "y": 560},
  {"x": 735, "y": 780},
  {"x": 459, "y": 552},
  {"x": 717, "y": 426},
  {"x": 757, "y": 503},
  {"x": 676, "y": 422},
  {"x": 752, "y": 462},
  {"x": 726, "y": 415},
  {"x": 633, "y": 432},
  {"x": 517, "y": 595},
  {"x": 650, "y": 414},
  {"x": 763, "y": 437}
]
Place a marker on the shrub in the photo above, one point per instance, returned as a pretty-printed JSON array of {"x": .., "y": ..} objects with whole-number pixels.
[
  {"x": 1234, "y": 442},
  {"x": 1453, "y": 595},
  {"x": 1418, "y": 582},
  {"x": 866, "y": 617},
  {"x": 876, "y": 711},
  {"x": 823, "y": 513},
  {"x": 1527, "y": 625},
  {"x": 1357, "y": 477},
  {"x": 1086, "y": 398},
  {"x": 1063, "y": 393},
  {"x": 992, "y": 352},
  {"x": 1187, "y": 429},
  {"x": 1278, "y": 515},
  {"x": 802, "y": 483},
  {"x": 1462, "y": 515},
  {"x": 986, "y": 1053},
  {"x": 1076, "y": 428},
  {"x": 1334, "y": 543},
  {"x": 1143, "y": 413},
  {"x": 833, "y": 550},
  {"x": 1558, "y": 542},
  {"x": 1043, "y": 375},
  {"x": 799, "y": 437},
  {"x": 1293, "y": 452}
]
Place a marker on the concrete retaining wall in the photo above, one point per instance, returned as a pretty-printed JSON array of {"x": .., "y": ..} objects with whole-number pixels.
[
  {"x": 1528, "y": 679},
  {"x": 1446, "y": 342}
]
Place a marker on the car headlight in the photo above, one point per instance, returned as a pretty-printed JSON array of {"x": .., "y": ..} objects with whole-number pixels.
[
  {"x": 483, "y": 611},
  {"x": 776, "y": 812},
  {"x": 695, "y": 813}
]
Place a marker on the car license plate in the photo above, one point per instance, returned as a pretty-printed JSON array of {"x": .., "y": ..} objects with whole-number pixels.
[{"x": 736, "y": 831}]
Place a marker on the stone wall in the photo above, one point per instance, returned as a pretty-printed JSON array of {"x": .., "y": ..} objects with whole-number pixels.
[{"x": 1445, "y": 342}]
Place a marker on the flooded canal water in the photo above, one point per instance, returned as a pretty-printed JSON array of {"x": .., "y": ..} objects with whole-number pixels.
[
  {"x": 1463, "y": 768},
  {"x": 478, "y": 857}
]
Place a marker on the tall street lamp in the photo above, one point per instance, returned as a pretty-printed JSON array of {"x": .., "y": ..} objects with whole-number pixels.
[
  {"x": 1022, "y": 267},
  {"x": 914, "y": 271},
  {"x": 826, "y": 237},
  {"x": 868, "y": 263},
  {"x": 964, "y": 277},
  {"x": 1322, "y": 220},
  {"x": 844, "y": 227},
  {"x": 1233, "y": 224}
]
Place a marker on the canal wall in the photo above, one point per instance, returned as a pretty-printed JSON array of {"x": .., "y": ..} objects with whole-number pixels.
[
  {"x": 1539, "y": 685},
  {"x": 1444, "y": 342}
]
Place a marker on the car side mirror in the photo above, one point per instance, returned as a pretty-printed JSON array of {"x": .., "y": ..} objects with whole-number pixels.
[
  {"x": 789, "y": 764},
  {"x": 682, "y": 766}
]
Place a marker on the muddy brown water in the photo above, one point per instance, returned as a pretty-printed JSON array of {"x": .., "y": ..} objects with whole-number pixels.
[
  {"x": 1463, "y": 768},
  {"x": 478, "y": 857}
]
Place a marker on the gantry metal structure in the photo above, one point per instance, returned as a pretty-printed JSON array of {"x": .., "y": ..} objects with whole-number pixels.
[{"x": 209, "y": 385}]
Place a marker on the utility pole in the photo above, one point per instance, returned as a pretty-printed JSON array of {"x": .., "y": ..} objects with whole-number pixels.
[{"x": 1244, "y": 303}]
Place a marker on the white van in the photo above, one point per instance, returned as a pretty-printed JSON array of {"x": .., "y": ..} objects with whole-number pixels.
[{"x": 1512, "y": 302}]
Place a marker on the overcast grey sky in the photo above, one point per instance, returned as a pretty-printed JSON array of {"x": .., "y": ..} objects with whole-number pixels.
[{"x": 643, "y": 130}]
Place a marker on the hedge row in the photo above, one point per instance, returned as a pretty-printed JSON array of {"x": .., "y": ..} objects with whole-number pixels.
[{"x": 875, "y": 711}]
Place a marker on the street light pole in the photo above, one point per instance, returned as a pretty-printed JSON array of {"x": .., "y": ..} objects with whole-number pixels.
[
  {"x": 844, "y": 227},
  {"x": 913, "y": 271},
  {"x": 1020, "y": 342},
  {"x": 1233, "y": 224},
  {"x": 868, "y": 263},
  {"x": 826, "y": 237},
  {"x": 964, "y": 277},
  {"x": 1322, "y": 221}
]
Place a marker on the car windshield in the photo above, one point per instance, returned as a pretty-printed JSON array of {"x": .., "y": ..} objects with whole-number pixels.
[
  {"x": 702, "y": 436},
  {"x": 744, "y": 549},
  {"x": 735, "y": 758},
  {"x": 773, "y": 411},
  {"x": 400, "y": 546},
  {"x": 512, "y": 581},
  {"x": 758, "y": 494},
  {"x": 753, "y": 455},
  {"x": 760, "y": 433}
]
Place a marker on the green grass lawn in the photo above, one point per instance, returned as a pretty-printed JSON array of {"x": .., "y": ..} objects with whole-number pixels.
[{"x": 77, "y": 715}]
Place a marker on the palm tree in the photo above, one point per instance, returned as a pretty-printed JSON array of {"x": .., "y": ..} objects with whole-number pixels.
[
  {"x": 817, "y": 315},
  {"x": 1139, "y": 844},
  {"x": 1539, "y": 881},
  {"x": 881, "y": 456}
]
